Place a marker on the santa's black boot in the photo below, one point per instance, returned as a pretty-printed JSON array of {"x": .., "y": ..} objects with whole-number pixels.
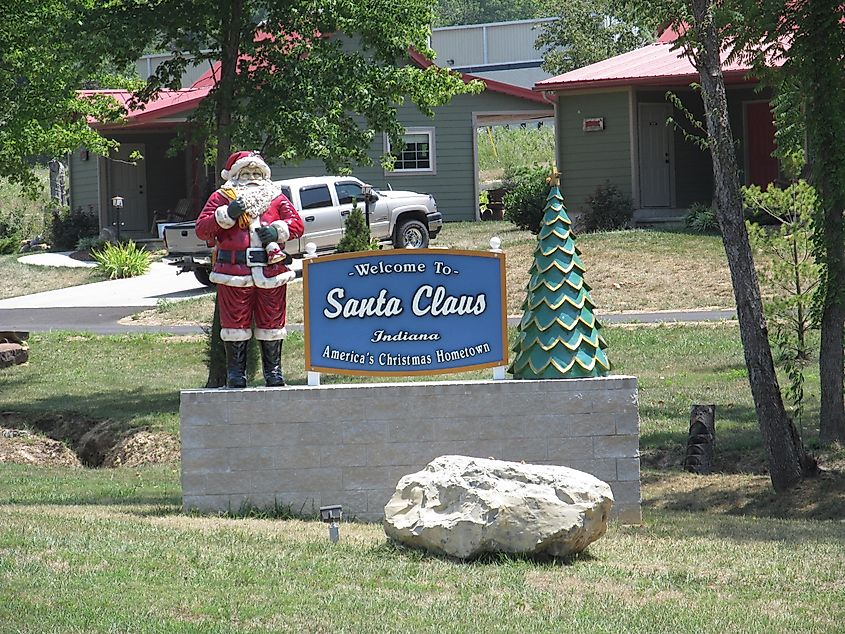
[
  {"x": 271, "y": 359},
  {"x": 236, "y": 363}
]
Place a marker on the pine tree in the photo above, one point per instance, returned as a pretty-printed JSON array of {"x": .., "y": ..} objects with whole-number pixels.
[
  {"x": 558, "y": 337},
  {"x": 356, "y": 233}
]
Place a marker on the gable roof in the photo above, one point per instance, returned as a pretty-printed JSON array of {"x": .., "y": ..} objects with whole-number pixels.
[
  {"x": 170, "y": 103},
  {"x": 659, "y": 64}
]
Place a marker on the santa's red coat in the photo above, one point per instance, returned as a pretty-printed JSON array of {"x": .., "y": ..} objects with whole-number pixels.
[{"x": 214, "y": 224}]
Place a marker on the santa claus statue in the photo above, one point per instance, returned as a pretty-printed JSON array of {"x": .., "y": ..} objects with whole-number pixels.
[{"x": 247, "y": 218}]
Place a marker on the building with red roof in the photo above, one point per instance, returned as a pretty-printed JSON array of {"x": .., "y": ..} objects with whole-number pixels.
[
  {"x": 612, "y": 125},
  {"x": 440, "y": 155}
]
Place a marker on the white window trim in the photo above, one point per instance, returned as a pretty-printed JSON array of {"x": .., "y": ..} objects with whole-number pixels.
[{"x": 432, "y": 150}]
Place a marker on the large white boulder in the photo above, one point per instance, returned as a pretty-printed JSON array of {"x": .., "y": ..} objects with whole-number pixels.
[{"x": 463, "y": 507}]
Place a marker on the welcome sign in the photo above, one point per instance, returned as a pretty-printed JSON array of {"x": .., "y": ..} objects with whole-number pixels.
[{"x": 405, "y": 312}]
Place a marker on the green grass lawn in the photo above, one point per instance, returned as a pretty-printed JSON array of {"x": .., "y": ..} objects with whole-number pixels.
[
  {"x": 25, "y": 279},
  {"x": 88, "y": 551},
  {"x": 107, "y": 550},
  {"x": 634, "y": 270},
  {"x": 136, "y": 379}
]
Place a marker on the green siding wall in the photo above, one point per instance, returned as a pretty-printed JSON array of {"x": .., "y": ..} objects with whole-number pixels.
[
  {"x": 453, "y": 186},
  {"x": 588, "y": 159},
  {"x": 83, "y": 183}
]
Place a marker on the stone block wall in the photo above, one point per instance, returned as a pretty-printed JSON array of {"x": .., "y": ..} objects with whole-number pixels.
[{"x": 308, "y": 447}]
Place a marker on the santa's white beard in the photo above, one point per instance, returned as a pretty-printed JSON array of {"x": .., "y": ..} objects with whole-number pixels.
[{"x": 257, "y": 198}]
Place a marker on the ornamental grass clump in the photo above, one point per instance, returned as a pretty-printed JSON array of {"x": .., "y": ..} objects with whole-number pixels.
[{"x": 121, "y": 260}]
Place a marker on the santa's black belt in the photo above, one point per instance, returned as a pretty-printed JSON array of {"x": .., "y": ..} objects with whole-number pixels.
[{"x": 254, "y": 256}]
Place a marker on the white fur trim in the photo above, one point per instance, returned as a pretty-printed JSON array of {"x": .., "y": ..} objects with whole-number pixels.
[
  {"x": 235, "y": 334},
  {"x": 231, "y": 280},
  {"x": 283, "y": 228},
  {"x": 254, "y": 240},
  {"x": 241, "y": 163},
  {"x": 221, "y": 215},
  {"x": 261, "y": 281},
  {"x": 268, "y": 334}
]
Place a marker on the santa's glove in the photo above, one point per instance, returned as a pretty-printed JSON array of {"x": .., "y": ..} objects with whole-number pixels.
[
  {"x": 267, "y": 235},
  {"x": 236, "y": 209}
]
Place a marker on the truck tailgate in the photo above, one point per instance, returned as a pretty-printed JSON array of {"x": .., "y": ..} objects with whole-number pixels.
[{"x": 181, "y": 238}]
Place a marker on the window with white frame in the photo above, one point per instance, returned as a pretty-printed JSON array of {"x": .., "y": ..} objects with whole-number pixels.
[{"x": 418, "y": 155}]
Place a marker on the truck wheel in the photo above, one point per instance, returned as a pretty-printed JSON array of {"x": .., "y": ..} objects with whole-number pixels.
[
  {"x": 202, "y": 277},
  {"x": 411, "y": 234}
]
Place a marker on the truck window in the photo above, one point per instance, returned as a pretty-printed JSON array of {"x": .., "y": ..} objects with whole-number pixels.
[
  {"x": 286, "y": 192},
  {"x": 347, "y": 191},
  {"x": 315, "y": 197}
]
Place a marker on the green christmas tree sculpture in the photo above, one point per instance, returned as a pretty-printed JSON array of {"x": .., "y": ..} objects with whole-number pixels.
[{"x": 558, "y": 337}]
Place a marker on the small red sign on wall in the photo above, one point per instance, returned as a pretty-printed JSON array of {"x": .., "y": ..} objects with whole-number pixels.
[{"x": 595, "y": 124}]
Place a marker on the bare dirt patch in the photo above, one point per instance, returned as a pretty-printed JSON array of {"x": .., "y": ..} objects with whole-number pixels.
[
  {"x": 144, "y": 447},
  {"x": 18, "y": 446},
  {"x": 76, "y": 441}
]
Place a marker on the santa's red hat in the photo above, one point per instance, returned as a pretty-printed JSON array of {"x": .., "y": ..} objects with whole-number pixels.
[{"x": 239, "y": 160}]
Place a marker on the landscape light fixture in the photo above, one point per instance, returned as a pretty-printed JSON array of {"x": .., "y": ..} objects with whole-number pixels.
[
  {"x": 331, "y": 515},
  {"x": 117, "y": 203}
]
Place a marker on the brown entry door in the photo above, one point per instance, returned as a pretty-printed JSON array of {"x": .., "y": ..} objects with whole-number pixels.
[{"x": 761, "y": 167}]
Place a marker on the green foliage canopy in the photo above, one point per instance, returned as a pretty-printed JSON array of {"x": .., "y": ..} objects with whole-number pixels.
[
  {"x": 44, "y": 59},
  {"x": 589, "y": 31},
  {"x": 298, "y": 79}
]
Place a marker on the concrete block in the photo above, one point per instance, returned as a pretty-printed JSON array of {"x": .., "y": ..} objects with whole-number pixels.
[
  {"x": 626, "y": 494},
  {"x": 456, "y": 428},
  {"x": 343, "y": 456},
  {"x": 602, "y": 469},
  {"x": 315, "y": 479},
  {"x": 616, "y": 446},
  {"x": 214, "y": 436},
  {"x": 196, "y": 411},
  {"x": 377, "y": 499},
  {"x": 525, "y": 450},
  {"x": 196, "y": 461},
  {"x": 400, "y": 453},
  {"x": 628, "y": 423},
  {"x": 250, "y": 458},
  {"x": 360, "y": 478},
  {"x": 565, "y": 450},
  {"x": 591, "y": 424},
  {"x": 480, "y": 448},
  {"x": 228, "y": 482},
  {"x": 298, "y": 457},
  {"x": 365, "y": 431},
  {"x": 628, "y": 469},
  {"x": 410, "y": 430}
]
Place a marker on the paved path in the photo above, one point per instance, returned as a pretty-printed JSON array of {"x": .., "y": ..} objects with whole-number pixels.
[{"x": 99, "y": 306}]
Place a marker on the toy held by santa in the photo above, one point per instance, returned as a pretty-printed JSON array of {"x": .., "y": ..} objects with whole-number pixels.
[{"x": 249, "y": 220}]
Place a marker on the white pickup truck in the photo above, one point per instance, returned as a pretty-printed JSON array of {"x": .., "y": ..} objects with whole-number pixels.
[{"x": 398, "y": 218}]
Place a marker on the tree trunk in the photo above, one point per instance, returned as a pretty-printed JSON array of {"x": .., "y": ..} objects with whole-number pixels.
[
  {"x": 216, "y": 352},
  {"x": 230, "y": 49},
  {"x": 782, "y": 443},
  {"x": 823, "y": 84},
  {"x": 57, "y": 181}
]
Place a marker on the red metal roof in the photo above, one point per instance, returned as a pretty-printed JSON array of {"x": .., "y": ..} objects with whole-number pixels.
[
  {"x": 658, "y": 64},
  {"x": 167, "y": 104},
  {"x": 174, "y": 102}
]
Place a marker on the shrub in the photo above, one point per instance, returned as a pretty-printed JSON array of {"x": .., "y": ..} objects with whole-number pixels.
[
  {"x": 525, "y": 202},
  {"x": 122, "y": 260},
  {"x": 701, "y": 218},
  {"x": 356, "y": 233},
  {"x": 609, "y": 209},
  {"x": 69, "y": 226},
  {"x": 90, "y": 243}
]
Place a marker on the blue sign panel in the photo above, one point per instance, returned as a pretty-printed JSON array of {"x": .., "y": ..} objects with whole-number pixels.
[{"x": 405, "y": 311}]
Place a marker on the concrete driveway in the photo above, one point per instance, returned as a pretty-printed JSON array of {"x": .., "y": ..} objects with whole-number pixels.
[{"x": 160, "y": 283}]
